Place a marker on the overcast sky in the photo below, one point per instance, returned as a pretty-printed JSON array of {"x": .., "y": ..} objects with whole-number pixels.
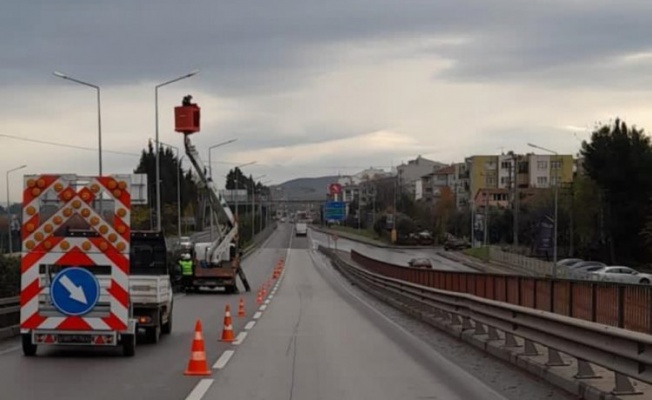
[{"x": 313, "y": 88}]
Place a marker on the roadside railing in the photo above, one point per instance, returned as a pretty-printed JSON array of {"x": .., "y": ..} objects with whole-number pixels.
[
  {"x": 9, "y": 316},
  {"x": 609, "y": 303},
  {"x": 526, "y": 313}
]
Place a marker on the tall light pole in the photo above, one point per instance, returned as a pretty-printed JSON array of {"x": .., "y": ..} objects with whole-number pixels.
[
  {"x": 158, "y": 165},
  {"x": 253, "y": 201},
  {"x": 210, "y": 175},
  {"x": 99, "y": 112},
  {"x": 210, "y": 165},
  {"x": 178, "y": 185},
  {"x": 554, "y": 249},
  {"x": 11, "y": 247}
]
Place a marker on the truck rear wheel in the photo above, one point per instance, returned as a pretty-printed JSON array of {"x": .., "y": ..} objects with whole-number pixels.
[
  {"x": 128, "y": 345},
  {"x": 29, "y": 349},
  {"x": 167, "y": 327}
]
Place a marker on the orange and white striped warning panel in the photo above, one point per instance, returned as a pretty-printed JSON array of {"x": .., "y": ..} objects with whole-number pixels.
[{"x": 75, "y": 261}]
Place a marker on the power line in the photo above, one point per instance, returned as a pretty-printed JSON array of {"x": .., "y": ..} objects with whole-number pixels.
[{"x": 71, "y": 146}]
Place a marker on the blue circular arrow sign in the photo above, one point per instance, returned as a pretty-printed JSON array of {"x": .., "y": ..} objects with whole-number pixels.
[{"x": 75, "y": 291}]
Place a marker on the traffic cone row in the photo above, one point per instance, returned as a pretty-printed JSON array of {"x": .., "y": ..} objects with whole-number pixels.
[
  {"x": 241, "y": 309},
  {"x": 227, "y": 332},
  {"x": 198, "y": 365}
]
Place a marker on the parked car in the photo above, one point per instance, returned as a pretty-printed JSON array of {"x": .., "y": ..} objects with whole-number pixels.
[
  {"x": 568, "y": 261},
  {"x": 420, "y": 263},
  {"x": 584, "y": 264},
  {"x": 456, "y": 244},
  {"x": 620, "y": 273}
]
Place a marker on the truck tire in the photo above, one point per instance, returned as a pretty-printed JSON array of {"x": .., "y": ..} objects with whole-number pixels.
[
  {"x": 166, "y": 328},
  {"x": 128, "y": 345},
  {"x": 153, "y": 334},
  {"x": 29, "y": 349}
]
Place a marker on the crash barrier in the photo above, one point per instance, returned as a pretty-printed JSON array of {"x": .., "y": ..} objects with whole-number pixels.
[
  {"x": 9, "y": 316},
  {"x": 609, "y": 303},
  {"x": 478, "y": 305},
  {"x": 532, "y": 265}
]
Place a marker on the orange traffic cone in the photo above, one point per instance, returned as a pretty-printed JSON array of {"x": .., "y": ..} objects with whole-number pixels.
[
  {"x": 198, "y": 364},
  {"x": 227, "y": 333},
  {"x": 241, "y": 308},
  {"x": 259, "y": 299}
]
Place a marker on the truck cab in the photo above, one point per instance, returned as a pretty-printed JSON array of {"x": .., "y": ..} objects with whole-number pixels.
[{"x": 150, "y": 286}]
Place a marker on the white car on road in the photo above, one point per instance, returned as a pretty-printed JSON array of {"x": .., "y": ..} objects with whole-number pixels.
[{"x": 622, "y": 274}]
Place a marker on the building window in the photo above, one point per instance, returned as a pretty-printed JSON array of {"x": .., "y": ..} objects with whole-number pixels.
[
  {"x": 555, "y": 164},
  {"x": 490, "y": 165},
  {"x": 504, "y": 180},
  {"x": 542, "y": 165},
  {"x": 490, "y": 180},
  {"x": 506, "y": 165},
  {"x": 542, "y": 180},
  {"x": 554, "y": 180}
]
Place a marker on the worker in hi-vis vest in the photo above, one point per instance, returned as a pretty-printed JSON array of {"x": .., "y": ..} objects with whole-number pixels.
[{"x": 186, "y": 270}]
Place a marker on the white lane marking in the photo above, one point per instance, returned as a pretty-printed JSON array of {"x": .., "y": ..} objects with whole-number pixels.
[
  {"x": 10, "y": 350},
  {"x": 263, "y": 307},
  {"x": 250, "y": 325},
  {"x": 267, "y": 301},
  {"x": 200, "y": 389},
  {"x": 240, "y": 338},
  {"x": 224, "y": 358},
  {"x": 257, "y": 314}
]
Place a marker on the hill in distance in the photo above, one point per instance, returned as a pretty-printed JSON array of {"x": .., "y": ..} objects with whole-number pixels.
[{"x": 306, "y": 189}]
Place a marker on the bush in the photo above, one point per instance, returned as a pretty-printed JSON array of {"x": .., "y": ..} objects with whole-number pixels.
[{"x": 9, "y": 276}]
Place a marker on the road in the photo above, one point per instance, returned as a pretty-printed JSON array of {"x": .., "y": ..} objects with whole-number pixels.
[
  {"x": 156, "y": 372},
  {"x": 319, "y": 338},
  {"x": 394, "y": 256}
]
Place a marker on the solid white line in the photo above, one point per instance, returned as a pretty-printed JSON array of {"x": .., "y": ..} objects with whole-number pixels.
[
  {"x": 257, "y": 314},
  {"x": 250, "y": 325},
  {"x": 224, "y": 358},
  {"x": 240, "y": 338},
  {"x": 263, "y": 307},
  {"x": 200, "y": 389}
]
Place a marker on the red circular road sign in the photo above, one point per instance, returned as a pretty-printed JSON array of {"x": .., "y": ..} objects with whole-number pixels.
[{"x": 335, "y": 188}]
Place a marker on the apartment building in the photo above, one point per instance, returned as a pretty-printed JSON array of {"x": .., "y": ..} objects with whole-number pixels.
[{"x": 411, "y": 172}]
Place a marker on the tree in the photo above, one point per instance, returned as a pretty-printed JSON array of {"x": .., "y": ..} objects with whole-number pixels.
[
  {"x": 618, "y": 159},
  {"x": 169, "y": 169}
]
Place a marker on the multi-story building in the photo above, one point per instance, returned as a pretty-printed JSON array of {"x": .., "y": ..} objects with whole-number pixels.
[
  {"x": 508, "y": 171},
  {"x": 409, "y": 174}
]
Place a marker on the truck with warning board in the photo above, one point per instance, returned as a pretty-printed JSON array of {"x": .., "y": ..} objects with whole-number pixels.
[{"x": 75, "y": 289}]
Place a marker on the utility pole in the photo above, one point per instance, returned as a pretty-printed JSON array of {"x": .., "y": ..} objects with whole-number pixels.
[
  {"x": 517, "y": 199},
  {"x": 486, "y": 218}
]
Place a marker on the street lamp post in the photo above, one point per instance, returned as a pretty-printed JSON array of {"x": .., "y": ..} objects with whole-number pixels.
[
  {"x": 99, "y": 113},
  {"x": 210, "y": 175},
  {"x": 11, "y": 247},
  {"x": 158, "y": 165},
  {"x": 253, "y": 201},
  {"x": 554, "y": 249},
  {"x": 178, "y": 186}
]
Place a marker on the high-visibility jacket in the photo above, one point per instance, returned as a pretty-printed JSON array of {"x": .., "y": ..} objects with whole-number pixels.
[{"x": 186, "y": 267}]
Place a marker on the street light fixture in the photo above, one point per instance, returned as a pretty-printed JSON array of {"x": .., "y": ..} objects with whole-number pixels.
[
  {"x": 554, "y": 249},
  {"x": 158, "y": 165},
  {"x": 210, "y": 165},
  {"x": 11, "y": 247},
  {"x": 253, "y": 202},
  {"x": 99, "y": 113}
]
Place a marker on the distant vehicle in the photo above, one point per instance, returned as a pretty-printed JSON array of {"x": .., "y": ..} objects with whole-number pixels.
[
  {"x": 301, "y": 229},
  {"x": 420, "y": 263},
  {"x": 621, "y": 274},
  {"x": 456, "y": 244},
  {"x": 568, "y": 261},
  {"x": 283, "y": 219}
]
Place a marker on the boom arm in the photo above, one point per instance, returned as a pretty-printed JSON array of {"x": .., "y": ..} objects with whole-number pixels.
[{"x": 218, "y": 205}]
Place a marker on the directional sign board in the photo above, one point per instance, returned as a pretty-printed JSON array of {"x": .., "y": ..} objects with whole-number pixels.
[
  {"x": 335, "y": 210},
  {"x": 75, "y": 291}
]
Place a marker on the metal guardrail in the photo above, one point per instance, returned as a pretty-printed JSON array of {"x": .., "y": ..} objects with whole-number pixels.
[
  {"x": 628, "y": 354},
  {"x": 610, "y": 303},
  {"x": 9, "y": 316}
]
